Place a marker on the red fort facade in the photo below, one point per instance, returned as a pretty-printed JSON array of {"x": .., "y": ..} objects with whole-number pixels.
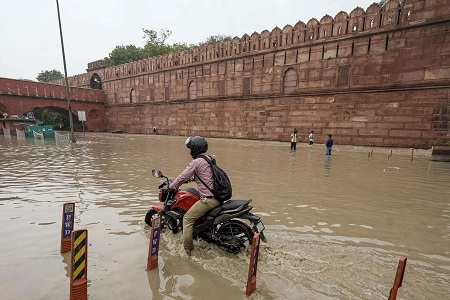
[{"x": 379, "y": 76}]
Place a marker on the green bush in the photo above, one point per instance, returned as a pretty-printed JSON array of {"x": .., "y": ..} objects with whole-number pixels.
[{"x": 438, "y": 142}]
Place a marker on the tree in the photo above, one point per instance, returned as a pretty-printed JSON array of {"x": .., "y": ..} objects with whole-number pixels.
[
  {"x": 215, "y": 39},
  {"x": 153, "y": 38},
  {"x": 154, "y": 46},
  {"x": 124, "y": 54},
  {"x": 47, "y": 76}
]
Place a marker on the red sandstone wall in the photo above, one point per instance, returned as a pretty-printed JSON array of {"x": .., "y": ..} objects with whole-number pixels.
[
  {"x": 395, "y": 118},
  {"x": 18, "y": 97},
  {"x": 374, "y": 77}
]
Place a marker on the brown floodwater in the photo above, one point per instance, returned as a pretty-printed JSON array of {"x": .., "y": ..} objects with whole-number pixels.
[{"x": 336, "y": 226}]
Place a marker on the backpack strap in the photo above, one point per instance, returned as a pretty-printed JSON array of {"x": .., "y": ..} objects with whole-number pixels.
[{"x": 210, "y": 163}]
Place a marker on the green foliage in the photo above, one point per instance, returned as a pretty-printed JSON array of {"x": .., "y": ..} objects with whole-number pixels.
[
  {"x": 50, "y": 117},
  {"x": 215, "y": 39},
  {"x": 153, "y": 38},
  {"x": 155, "y": 45},
  {"x": 47, "y": 76},
  {"x": 124, "y": 54},
  {"x": 438, "y": 142}
]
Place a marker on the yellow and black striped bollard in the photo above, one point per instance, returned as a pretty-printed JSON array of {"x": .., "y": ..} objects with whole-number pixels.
[{"x": 78, "y": 274}]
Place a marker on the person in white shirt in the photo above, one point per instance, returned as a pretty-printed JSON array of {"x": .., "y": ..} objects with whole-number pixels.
[{"x": 311, "y": 137}]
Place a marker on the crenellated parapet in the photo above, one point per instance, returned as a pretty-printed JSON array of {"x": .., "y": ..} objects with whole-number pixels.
[
  {"x": 342, "y": 26},
  {"x": 374, "y": 18},
  {"x": 13, "y": 87}
]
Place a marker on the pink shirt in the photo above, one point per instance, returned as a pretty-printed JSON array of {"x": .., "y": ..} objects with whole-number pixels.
[{"x": 200, "y": 168}]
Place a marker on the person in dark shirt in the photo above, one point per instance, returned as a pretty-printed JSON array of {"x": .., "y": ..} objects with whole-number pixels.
[{"x": 329, "y": 145}]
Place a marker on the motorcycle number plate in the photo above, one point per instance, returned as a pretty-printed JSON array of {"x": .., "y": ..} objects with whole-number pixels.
[{"x": 260, "y": 226}]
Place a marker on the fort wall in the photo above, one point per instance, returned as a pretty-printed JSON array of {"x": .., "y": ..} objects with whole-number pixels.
[{"x": 379, "y": 76}]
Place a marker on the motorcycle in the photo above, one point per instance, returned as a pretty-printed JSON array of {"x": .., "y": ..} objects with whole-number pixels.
[{"x": 222, "y": 225}]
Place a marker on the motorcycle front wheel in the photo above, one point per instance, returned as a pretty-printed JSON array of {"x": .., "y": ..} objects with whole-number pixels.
[
  {"x": 234, "y": 234},
  {"x": 149, "y": 216}
]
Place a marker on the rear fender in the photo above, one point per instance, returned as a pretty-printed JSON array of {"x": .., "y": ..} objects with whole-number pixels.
[
  {"x": 157, "y": 207},
  {"x": 249, "y": 216},
  {"x": 228, "y": 215},
  {"x": 254, "y": 219}
]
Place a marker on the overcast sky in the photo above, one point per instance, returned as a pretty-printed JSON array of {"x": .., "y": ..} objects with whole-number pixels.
[{"x": 30, "y": 41}]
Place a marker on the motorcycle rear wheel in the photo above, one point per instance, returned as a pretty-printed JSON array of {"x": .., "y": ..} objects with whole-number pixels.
[
  {"x": 149, "y": 216},
  {"x": 234, "y": 234}
]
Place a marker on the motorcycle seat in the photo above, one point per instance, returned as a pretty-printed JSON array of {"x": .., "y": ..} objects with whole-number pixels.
[
  {"x": 227, "y": 206},
  {"x": 232, "y": 204}
]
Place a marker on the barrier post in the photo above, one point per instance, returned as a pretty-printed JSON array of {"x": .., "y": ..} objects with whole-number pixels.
[
  {"x": 68, "y": 217},
  {"x": 153, "y": 248},
  {"x": 398, "y": 278},
  {"x": 253, "y": 266},
  {"x": 78, "y": 265}
]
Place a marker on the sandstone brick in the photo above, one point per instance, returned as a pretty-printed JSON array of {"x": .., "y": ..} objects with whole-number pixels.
[{"x": 437, "y": 73}]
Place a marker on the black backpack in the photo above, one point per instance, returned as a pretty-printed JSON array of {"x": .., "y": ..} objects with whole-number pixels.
[{"x": 222, "y": 186}]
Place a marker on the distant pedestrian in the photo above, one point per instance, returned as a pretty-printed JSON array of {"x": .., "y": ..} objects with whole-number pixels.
[
  {"x": 154, "y": 130},
  {"x": 329, "y": 145},
  {"x": 294, "y": 140},
  {"x": 311, "y": 137}
]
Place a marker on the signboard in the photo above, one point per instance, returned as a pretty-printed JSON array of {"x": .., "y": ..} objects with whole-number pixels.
[
  {"x": 81, "y": 115},
  {"x": 152, "y": 261},
  {"x": 67, "y": 226}
]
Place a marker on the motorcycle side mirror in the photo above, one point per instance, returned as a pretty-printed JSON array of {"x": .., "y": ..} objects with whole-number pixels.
[{"x": 157, "y": 173}]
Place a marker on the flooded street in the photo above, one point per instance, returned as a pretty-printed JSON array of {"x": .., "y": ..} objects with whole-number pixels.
[{"x": 336, "y": 226}]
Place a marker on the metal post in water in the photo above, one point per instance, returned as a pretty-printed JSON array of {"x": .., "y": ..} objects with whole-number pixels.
[
  {"x": 153, "y": 249},
  {"x": 79, "y": 265},
  {"x": 72, "y": 132},
  {"x": 253, "y": 266},
  {"x": 398, "y": 278},
  {"x": 67, "y": 226}
]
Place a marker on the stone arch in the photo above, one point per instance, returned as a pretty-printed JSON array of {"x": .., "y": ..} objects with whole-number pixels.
[
  {"x": 192, "y": 90},
  {"x": 290, "y": 81},
  {"x": 96, "y": 82},
  {"x": 132, "y": 95}
]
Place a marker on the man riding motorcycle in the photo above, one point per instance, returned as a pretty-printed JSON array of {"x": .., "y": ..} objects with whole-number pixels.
[{"x": 202, "y": 174}]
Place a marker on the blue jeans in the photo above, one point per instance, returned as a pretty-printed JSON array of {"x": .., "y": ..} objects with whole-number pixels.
[{"x": 328, "y": 151}]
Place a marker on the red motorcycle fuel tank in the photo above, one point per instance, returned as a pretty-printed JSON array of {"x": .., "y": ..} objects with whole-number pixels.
[{"x": 185, "y": 199}]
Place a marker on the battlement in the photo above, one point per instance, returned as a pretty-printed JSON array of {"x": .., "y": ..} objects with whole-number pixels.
[
  {"x": 374, "y": 19},
  {"x": 45, "y": 90}
]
